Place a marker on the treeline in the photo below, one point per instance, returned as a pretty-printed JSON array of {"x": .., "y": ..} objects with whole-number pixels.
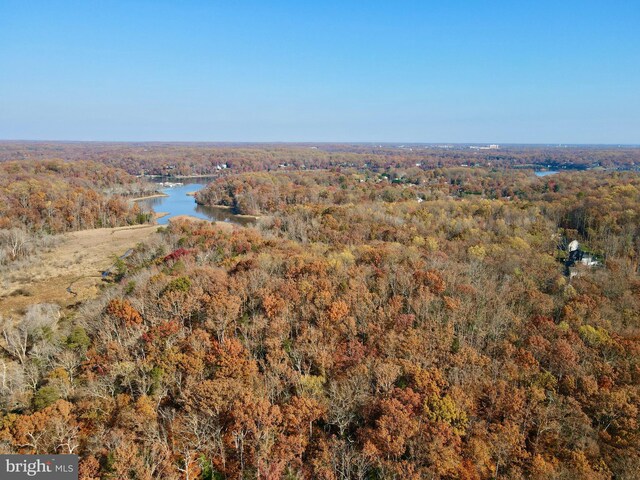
[
  {"x": 259, "y": 193},
  {"x": 351, "y": 339},
  {"x": 56, "y": 196},
  {"x": 219, "y": 159},
  {"x": 268, "y": 192},
  {"x": 596, "y": 207}
]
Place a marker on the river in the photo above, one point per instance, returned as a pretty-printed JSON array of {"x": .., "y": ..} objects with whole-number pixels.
[{"x": 177, "y": 202}]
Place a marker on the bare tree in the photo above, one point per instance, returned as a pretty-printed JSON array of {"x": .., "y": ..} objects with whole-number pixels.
[
  {"x": 12, "y": 382},
  {"x": 21, "y": 337},
  {"x": 16, "y": 241}
]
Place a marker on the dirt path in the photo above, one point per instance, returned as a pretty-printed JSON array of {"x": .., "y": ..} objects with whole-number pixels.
[{"x": 77, "y": 262}]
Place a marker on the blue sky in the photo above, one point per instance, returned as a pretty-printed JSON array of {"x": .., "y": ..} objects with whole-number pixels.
[{"x": 399, "y": 71}]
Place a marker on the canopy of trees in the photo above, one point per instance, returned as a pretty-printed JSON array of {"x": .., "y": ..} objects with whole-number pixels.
[
  {"x": 57, "y": 196},
  {"x": 404, "y": 324},
  {"x": 202, "y": 158}
]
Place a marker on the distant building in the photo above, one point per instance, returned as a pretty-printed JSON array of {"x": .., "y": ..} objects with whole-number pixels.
[{"x": 493, "y": 146}]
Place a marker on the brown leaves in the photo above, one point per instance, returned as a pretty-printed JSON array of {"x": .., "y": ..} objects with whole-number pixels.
[
  {"x": 52, "y": 429},
  {"x": 342, "y": 344},
  {"x": 431, "y": 279},
  {"x": 212, "y": 397},
  {"x": 124, "y": 311},
  {"x": 338, "y": 310},
  {"x": 349, "y": 353},
  {"x": 273, "y": 305},
  {"x": 395, "y": 424},
  {"x": 232, "y": 361},
  {"x": 451, "y": 303}
]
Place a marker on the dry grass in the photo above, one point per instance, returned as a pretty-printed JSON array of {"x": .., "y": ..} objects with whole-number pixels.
[{"x": 78, "y": 261}]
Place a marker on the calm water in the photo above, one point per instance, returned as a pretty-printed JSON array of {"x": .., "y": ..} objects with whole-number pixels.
[
  {"x": 545, "y": 173},
  {"x": 179, "y": 203}
]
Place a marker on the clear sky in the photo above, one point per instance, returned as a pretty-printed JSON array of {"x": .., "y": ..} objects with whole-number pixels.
[{"x": 544, "y": 71}]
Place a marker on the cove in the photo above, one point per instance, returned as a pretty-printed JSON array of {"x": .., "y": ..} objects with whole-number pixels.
[{"x": 178, "y": 202}]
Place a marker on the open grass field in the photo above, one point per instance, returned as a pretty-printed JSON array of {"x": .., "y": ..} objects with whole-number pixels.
[{"x": 76, "y": 263}]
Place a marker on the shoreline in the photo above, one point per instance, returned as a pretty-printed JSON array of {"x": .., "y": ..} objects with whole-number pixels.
[
  {"x": 155, "y": 195},
  {"x": 190, "y": 218},
  {"x": 202, "y": 175},
  {"x": 227, "y": 207},
  {"x": 241, "y": 215}
]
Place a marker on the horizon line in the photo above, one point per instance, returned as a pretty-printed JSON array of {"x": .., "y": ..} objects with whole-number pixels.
[{"x": 324, "y": 142}]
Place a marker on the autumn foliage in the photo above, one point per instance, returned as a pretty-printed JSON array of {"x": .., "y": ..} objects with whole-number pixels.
[{"x": 355, "y": 333}]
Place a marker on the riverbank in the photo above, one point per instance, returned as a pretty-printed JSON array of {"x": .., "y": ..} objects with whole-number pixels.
[
  {"x": 239, "y": 215},
  {"x": 155, "y": 195},
  {"x": 189, "y": 218},
  {"x": 181, "y": 177}
]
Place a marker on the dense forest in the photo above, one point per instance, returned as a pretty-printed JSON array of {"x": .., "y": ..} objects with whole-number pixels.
[
  {"x": 206, "y": 159},
  {"x": 381, "y": 321},
  {"x": 601, "y": 208}
]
